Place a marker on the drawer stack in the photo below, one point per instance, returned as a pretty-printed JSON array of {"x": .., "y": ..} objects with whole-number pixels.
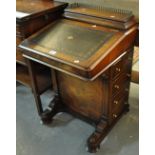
[{"x": 120, "y": 74}]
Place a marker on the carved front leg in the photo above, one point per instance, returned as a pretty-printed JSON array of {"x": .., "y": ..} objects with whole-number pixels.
[
  {"x": 95, "y": 139},
  {"x": 54, "y": 107}
]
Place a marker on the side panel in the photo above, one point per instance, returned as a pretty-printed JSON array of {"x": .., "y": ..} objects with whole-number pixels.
[{"x": 84, "y": 97}]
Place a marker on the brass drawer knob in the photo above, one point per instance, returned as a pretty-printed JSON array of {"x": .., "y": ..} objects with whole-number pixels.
[
  {"x": 115, "y": 102},
  {"x": 116, "y": 86},
  {"x": 118, "y": 69},
  {"x": 115, "y": 116}
]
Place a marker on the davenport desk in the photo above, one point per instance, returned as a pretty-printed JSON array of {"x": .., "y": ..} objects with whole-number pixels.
[{"x": 89, "y": 52}]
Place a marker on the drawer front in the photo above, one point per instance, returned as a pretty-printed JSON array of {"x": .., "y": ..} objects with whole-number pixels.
[
  {"x": 117, "y": 68},
  {"x": 120, "y": 84},
  {"x": 115, "y": 114},
  {"x": 122, "y": 65},
  {"x": 118, "y": 109},
  {"x": 117, "y": 100}
]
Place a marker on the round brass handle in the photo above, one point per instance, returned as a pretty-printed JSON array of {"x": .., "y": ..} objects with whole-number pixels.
[
  {"x": 118, "y": 69},
  {"x": 116, "y": 102},
  {"x": 114, "y": 115},
  {"x": 116, "y": 86}
]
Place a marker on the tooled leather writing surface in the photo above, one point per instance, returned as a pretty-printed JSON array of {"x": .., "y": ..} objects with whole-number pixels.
[
  {"x": 80, "y": 47},
  {"x": 80, "y": 43}
]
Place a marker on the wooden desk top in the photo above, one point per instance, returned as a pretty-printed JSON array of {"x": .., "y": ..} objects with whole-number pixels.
[{"x": 26, "y": 9}]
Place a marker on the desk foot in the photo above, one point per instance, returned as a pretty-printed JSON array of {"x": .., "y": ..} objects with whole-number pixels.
[
  {"x": 96, "y": 138},
  {"x": 54, "y": 107}
]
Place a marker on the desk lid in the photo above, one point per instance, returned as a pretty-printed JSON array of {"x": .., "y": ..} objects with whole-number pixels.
[
  {"x": 26, "y": 9},
  {"x": 79, "y": 49}
]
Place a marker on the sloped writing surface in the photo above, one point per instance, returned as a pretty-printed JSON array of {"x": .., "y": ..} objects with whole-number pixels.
[
  {"x": 77, "y": 42},
  {"x": 41, "y": 47}
]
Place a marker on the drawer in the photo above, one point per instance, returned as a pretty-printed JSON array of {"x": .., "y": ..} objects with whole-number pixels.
[
  {"x": 120, "y": 83},
  {"x": 117, "y": 68},
  {"x": 122, "y": 65},
  {"x": 117, "y": 100},
  {"x": 119, "y": 109}
]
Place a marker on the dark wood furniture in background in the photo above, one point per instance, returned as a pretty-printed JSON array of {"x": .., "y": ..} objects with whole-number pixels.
[
  {"x": 90, "y": 53},
  {"x": 31, "y": 16}
]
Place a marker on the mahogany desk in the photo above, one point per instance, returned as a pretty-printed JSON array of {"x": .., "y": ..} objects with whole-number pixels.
[{"x": 90, "y": 54}]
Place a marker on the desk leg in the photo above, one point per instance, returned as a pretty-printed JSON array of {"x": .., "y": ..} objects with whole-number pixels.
[
  {"x": 95, "y": 139},
  {"x": 35, "y": 90},
  {"x": 55, "y": 106}
]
